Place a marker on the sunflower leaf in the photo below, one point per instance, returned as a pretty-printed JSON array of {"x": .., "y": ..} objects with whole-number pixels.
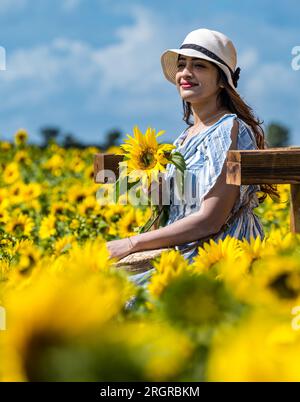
[
  {"x": 130, "y": 185},
  {"x": 151, "y": 220},
  {"x": 178, "y": 160}
]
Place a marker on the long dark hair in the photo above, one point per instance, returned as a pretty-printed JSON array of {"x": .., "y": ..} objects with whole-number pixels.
[{"x": 230, "y": 99}]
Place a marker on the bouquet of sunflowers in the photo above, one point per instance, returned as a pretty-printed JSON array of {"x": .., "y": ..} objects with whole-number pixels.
[{"x": 144, "y": 159}]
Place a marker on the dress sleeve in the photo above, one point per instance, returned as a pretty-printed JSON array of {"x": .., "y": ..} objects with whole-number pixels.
[{"x": 212, "y": 156}]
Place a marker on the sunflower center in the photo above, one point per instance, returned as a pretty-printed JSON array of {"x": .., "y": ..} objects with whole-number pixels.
[
  {"x": 31, "y": 259},
  {"x": 89, "y": 210},
  {"x": 147, "y": 158},
  {"x": 18, "y": 228},
  {"x": 281, "y": 286},
  {"x": 80, "y": 198},
  {"x": 130, "y": 227},
  {"x": 115, "y": 218}
]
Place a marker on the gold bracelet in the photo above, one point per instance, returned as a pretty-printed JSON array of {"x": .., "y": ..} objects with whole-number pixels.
[{"x": 130, "y": 241}]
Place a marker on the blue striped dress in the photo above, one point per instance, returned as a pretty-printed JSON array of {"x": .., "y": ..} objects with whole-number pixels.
[{"x": 205, "y": 155}]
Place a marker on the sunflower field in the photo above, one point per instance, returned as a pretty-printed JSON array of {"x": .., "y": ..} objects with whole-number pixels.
[{"x": 231, "y": 315}]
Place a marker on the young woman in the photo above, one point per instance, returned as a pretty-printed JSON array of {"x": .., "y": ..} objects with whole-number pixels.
[{"x": 204, "y": 72}]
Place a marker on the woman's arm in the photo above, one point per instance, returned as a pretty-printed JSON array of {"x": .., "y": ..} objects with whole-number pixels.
[{"x": 215, "y": 208}]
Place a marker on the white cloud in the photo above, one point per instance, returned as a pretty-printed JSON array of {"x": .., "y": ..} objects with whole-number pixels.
[
  {"x": 133, "y": 62},
  {"x": 70, "y": 5},
  {"x": 272, "y": 77},
  {"x": 36, "y": 63},
  {"x": 273, "y": 88},
  {"x": 127, "y": 75},
  {"x": 11, "y": 5},
  {"x": 248, "y": 58},
  {"x": 131, "y": 66}
]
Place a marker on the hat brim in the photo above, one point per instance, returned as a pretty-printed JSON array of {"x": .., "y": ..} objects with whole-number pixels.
[{"x": 169, "y": 63}]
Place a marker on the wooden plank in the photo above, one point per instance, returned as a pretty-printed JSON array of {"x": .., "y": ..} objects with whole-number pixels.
[
  {"x": 273, "y": 166},
  {"x": 106, "y": 162}
]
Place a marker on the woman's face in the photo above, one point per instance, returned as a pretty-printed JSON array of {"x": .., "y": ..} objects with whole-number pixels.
[{"x": 201, "y": 73}]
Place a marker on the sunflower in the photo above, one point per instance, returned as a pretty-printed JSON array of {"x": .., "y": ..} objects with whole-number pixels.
[
  {"x": 11, "y": 173},
  {"x": 63, "y": 244},
  {"x": 28, "y": 255},
  {"x": 54, "y": 163},
  {"x": 88, "y": 205},
  {"x": 15, "y": 193},
  {"x": 4, "y": 198},
  {"x": 77, "y": 164},
  {"x": 22, "y": 157},
  {"x": 129, "y": 224},
  {"x": 166, "y": 350},
  {"x": 212, "y": 252},
  {"x": 112, "y": 229},
  {"x": 253, "y": 248},
  {"x": 47, "y": 228},
  {"x": 5, "y": 268},
  {"x": 21, "y": 136},
  {"x": 89, "y": 152},
  {"x": 5, "y": 145},
  {"x": 75, "y": 224},
  {"x": 260, "y": 348},
  {"x": 114, "y": 212},
  {"x": 279, "y": 242},
  {"x": 54, "y": 310},
  {"x": 170, "y": 265},
  {"x": 144, "y": 157},
  {"x": 20, "y": 225},
  {"x": 89, "y": 172},
  {"x": 4, "y": 215},
  {"x": 60, "y": 208},
  {"x": 77, "y": 193},
  {"x": 275, "y": 283},
  {"x": 31, "y": 191},
  {"x": 112, "y": 150}
]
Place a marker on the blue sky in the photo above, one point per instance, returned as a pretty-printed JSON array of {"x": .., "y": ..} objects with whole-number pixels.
[{"x": 88, "y": 66}]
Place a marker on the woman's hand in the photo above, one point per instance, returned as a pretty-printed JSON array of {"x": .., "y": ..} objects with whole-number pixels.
[{"x": 120, "y": 248}]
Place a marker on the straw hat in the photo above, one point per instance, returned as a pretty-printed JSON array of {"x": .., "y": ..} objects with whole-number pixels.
[
  {"x": 205, "y": 44},
  {"x": 141, "y": 261}
]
